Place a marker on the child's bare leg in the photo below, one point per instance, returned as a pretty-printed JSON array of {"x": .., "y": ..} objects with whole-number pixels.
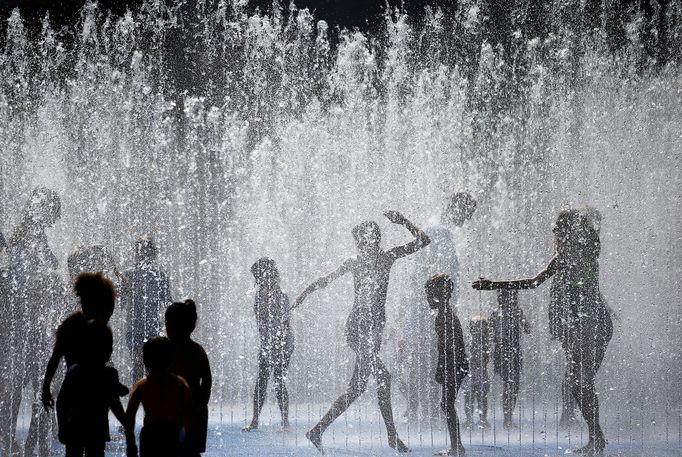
[
  {"x": 383, "y": 378},
  {"x": 357, "y": 385},
  {"x": 448, "y": 406},
  {"x": 279, "y": 378},
  {"x": 259, "y": 391}
]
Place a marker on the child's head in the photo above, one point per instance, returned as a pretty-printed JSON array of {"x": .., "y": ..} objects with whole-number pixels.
[
  {"x": 439, "y": 290},
  {"x": 157, "y": 354},
  {"x": 97, "y": 295},
  {"x": 367, "y": 236},
  {"x": 181, "y": 319},
  {"x": 145, "y": 250},
  {"x": 265, "y": 272},
  {"x": 577, "y": 232},
  {"x": 459, "y": 209},
  {"x": 98, "y": 343}
]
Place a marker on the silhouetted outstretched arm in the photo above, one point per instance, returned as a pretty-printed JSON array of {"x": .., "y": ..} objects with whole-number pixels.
[
  {"x": 324, "y": 281},
  {"x": 421, "y": 239},
  {"x": 530, "y": 283}
]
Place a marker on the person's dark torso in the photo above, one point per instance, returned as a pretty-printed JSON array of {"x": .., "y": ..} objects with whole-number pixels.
[
  {"x": 576, "y": 302},
  {"x": 84, "y": 402},
  {"x": 370, "y": 280},
  {"x": 147, "y": 296},
  {"x": 271, "y": 308},
  {"x": 70, "y": 336},
  {"x": 29, "y": 254},
  {"x": 189, "y": 361},
  {"x": 452, "y": 359},
  {"x": 507, "y": 324},
  {"x": 479, "y": 357}
]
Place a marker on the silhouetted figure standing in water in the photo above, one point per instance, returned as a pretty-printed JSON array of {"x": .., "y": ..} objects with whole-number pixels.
[
  {"x": 89, "y": 391},
  {"x": 30, "y": 260},
  {"x": 579, "y": 316},
  {"x": 438, "y": 257},
  {"x": 276, "y": 340},
  {"x": 189, "y": 361},
  {"x": 145, "y": 297},
  {"x": 507, "y": 324},
  {"x": 478, "y": 381},
  {"x": 166, "y": 400},
  {"x": 453, "y": 365},
  {"x": 365, "y": 324}
]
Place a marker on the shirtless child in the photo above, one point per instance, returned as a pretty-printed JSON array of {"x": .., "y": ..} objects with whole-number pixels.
[
  {"x": 365, "y": 324},
  {"x": 166, "y": 400}
]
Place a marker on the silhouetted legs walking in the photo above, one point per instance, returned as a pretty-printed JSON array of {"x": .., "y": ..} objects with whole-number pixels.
[{"x": 366, "y": 364}]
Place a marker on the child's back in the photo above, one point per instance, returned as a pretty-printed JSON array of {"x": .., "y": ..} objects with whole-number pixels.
[{"x": 166, "y": 400}]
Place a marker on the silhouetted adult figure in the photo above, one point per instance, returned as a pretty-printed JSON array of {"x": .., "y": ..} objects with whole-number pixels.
[
  {"x": 365, "y": 324},
  {"x": 276, "y": 340},
  {"x": 30, "y": 259},
  {"x": 579, "y": 316},
  {"x": 144, "y": 298},
  {"x": 438, "y": 257}
]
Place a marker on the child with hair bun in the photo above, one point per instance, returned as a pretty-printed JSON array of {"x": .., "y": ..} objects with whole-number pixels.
[{"x": 189, "y": 361}]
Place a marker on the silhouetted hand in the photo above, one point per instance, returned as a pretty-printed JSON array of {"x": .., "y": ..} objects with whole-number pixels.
[
  {"x": 395, "y": 217},
  {"x": 483, "y": 284},
  {"x": 46, "y": 398}
]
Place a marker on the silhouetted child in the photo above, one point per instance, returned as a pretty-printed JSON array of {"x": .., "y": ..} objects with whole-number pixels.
[
  {"x": 578, "y": 314},
  {"x": 97, "y": 296},
  {"x": 371, "y": 270},
  {"x": 166, "y": 400},
  {"x": 145, "y": 296},
  {"x": 453, "y": 364},
  {"x": 507, "y": 324},
  {"x": 478, "y": 381},
  {"x": 191, "y": 363},
  {"x": 89, "y": 391},
  {"x": 276, "y": 339}
]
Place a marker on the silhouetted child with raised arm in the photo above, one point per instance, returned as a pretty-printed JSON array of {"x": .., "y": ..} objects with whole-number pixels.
[
  {"x": 508, "y": 324},
  {"x": 166, "y": 400},
  {"x": 276, "y": 339},
  {"x": 365, "y": 324},
  {"x": 579, "y": 316},
  {"x": 190, "y": 362},
  {"x": 89, "y": 391},
  {"x": 97, "y": 297},
  {"x": 453, "y": 364},
  {"x": 478, "y": 381}
]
